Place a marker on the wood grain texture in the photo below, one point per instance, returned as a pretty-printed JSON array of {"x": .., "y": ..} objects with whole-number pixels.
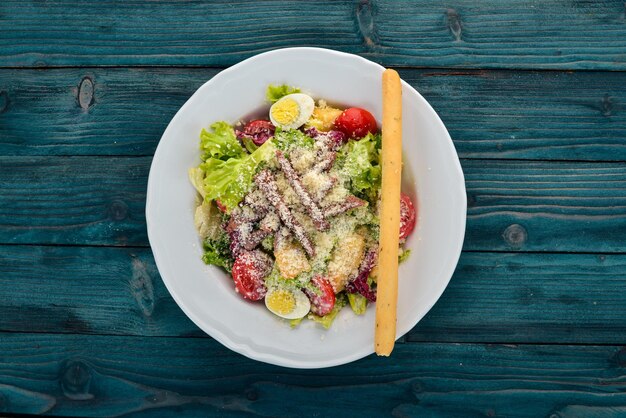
[
  {"x": 91, "y": 111},
  {"x": 490, "y": 114},
  {"x": 517, "y": 297},
  {"x": 513, "y": 205},
  {"x": 81, "y": 290},
  {"x": 467, "y": 33},
  {"x": 73, "y": 200},
  {"x": 493, "y": 297},
  {"x": 113, "y": 376},
  {"x": 545, "y": 206}
]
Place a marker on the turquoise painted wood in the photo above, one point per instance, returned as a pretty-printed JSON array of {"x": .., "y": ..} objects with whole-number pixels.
[
  {"x": 112, "y": 376},
  {"x": 549, "y": 115},
  {"x": 513, "y": 205},
  {"x": 73, "y": 200},
  {"x": 536, "y": 298},
  {"x": 493, "y": 297},
  {"x": 567, "y": 34},
  {"x": 533, "y": 323},
  {"x": 95, "y": 290}
]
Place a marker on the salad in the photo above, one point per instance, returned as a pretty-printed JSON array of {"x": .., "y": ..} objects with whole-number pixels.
[{"x": 288, "y": 206}]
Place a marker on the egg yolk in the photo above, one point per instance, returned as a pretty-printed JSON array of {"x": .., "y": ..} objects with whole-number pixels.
[
  {"x": 281, "y": 302},
  {"x": 286, "y": 111}
]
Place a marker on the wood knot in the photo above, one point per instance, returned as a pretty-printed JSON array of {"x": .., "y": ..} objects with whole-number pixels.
[
  {"x": 453, "y": 22},
  {"x": 252, "y": 394},
  {"x": 4, "y": 101},
  {"x": 606, "y": 105},
  {"x": 118, "y": 210},
  {"x": 365, "y": 20},
  {"x": 76, "y": 380},
  {"x": 417, "y": 388},
  {"x": 85, "y": 93},
  {"x": 141, "y": 287},
  {"x": 515, "y": 235}
]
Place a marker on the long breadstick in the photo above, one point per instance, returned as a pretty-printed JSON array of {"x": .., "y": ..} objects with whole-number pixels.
[{"x": 387, "y": 297}]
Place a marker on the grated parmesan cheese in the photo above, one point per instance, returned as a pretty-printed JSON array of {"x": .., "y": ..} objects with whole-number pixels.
[
  {"x": 291, "y": 260},
  {"x": 316, "y": 183},
  {"x": 303, "y": 159}
]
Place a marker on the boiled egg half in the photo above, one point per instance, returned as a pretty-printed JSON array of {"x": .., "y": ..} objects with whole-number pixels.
[
  {"x": 287, "y": 303},
  {"x": 292, "y": 111}
]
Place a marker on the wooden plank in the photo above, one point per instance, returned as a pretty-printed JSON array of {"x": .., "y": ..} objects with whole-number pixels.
[
  {"x": 490, "y": 114},
  {"x": 73, "y": 200},
  {"x": 529, "y": 115},
  {"x": 493, "y": 297},
  {"x": 60, "y": 289},
  {"x": 158, "y": 377},
  {"x": 513, "y": 205},
  {"x": 540, "y": 298},
  {"x": 545, "y": 206},
  {"x": 91, "y": 111},
  {"x": 467, "y": 33}
]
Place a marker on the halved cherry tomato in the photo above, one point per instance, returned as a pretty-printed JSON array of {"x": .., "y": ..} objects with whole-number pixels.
[
  {"x": 323, "y": 301},
  {"x": 407, "y": 216},
  {"x": 220, "y": 206},
  {"x": 356, "y": 122},
  {"x": 249, "y": 270},
  {"x": 259, "y": 130}
]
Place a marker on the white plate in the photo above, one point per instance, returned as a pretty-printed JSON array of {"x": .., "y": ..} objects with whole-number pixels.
[{"x": 432, "y": 176}]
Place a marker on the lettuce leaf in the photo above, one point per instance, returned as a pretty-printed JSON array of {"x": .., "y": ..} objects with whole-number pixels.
[
  {"x": 292, "y": 138},
  {"x": 229, "y": 181},
  {"x": 221, "y": 143},
  {"x": 358, "y": 303},
  {"x": 295, "y": 322},
  {"x": 404, "y": 255},
  {"x": 274, "y": 93},
  {"x": 196, "y": 177},
  {"x": 217, "y": 252},
  {"x": 208, "y": 220},
  {"x": 361, "y": 162}
]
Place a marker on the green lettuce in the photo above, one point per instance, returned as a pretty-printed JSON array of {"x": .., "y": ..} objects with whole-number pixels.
[
  {"x": 221, "y": 143},
  {"x": 274, "y": 93},
  {"x": 217, "y": 252},
  {"x": 229, "y": 181},
  {"x": 404, "y": 255},
  {"x": 295, "y": 322},
  {"x": 361, "y": 162},
  {"x": 358, "y": 303},
  {"x": 292, "y": 138},
  {"x": 196, "y": 176}
]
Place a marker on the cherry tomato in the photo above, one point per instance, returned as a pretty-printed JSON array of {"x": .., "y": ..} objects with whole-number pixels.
[
  {"x": 407, "y": 216},
  {"x": 220, "y": 206},
  {"x": 356, "y": 122},
  {"x": 249, "y": 270},
  {"x": 259, "y": 130},
  {"x": 323, "y": 301}
]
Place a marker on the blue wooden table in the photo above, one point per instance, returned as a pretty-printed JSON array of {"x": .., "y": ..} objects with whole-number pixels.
[{"x": 533, "y": 323}]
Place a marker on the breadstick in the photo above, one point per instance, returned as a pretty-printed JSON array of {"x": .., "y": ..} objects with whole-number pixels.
[{"x": 387, "y": 297}]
